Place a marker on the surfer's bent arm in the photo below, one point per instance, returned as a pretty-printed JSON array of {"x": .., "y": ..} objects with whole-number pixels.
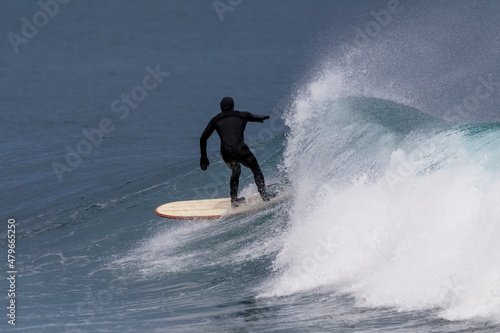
[
  {"x": 256, "y": 117},
  {"x": 204, "y": 163},
  {"x": 204, "y": 137}
]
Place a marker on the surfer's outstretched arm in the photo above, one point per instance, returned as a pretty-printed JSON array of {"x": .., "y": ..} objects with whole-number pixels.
[
  {"x": 204, "y": 162},
  {"x": 256, "y": 117}
]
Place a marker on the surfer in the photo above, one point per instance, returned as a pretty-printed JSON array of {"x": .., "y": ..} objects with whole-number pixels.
[{"x": 230, "y": 125}]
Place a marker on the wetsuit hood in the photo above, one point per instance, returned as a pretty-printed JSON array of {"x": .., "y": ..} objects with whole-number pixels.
[{"x": 227, "y": 104}]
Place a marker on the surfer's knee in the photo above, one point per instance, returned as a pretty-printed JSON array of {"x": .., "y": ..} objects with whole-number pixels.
[
  {"x": 236, "y": 169},
  {"x": 256, "y": 169}
]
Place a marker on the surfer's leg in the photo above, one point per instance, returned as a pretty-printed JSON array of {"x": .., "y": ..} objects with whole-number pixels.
[
  {"x": 235, "y": 180},
  {"x": 235, "y": 167},
  {"x": 249, "y": 160}
]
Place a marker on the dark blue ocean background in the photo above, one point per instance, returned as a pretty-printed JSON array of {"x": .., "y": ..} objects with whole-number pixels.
[{"x": 384, "y": 126}]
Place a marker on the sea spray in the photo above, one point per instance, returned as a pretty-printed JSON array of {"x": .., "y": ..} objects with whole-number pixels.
[{"x": 397, "y": 214}]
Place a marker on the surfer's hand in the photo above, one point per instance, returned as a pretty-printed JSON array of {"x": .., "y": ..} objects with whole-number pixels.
[
  {"x": 264, "y": 118},
  {"x": 204, "y": 163}
]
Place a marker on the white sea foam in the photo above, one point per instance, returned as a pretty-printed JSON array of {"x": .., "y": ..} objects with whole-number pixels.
[{"x": 410, "y": 221}]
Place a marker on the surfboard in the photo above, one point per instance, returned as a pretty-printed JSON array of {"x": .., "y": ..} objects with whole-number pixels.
[{"x": 207, "y": 209}]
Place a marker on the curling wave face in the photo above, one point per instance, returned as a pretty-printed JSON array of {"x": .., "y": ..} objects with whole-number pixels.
[{"x": 392, "y": 207}]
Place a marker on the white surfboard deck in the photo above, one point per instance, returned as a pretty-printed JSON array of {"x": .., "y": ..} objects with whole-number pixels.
[{"x": 214, "y": 208}]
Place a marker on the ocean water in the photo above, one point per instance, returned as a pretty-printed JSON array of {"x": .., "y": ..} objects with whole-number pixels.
[{"x": 385, "y": 126}]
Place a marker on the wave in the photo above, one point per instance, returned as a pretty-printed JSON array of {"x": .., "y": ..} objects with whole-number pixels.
[{"x": 391, "y": 206}]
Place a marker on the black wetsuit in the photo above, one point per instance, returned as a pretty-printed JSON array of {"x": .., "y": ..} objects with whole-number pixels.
[{"x": 230, "y": 125}]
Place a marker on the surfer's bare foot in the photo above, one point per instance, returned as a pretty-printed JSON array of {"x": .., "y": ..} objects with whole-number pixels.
[{"x": 235, "y": 202}]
